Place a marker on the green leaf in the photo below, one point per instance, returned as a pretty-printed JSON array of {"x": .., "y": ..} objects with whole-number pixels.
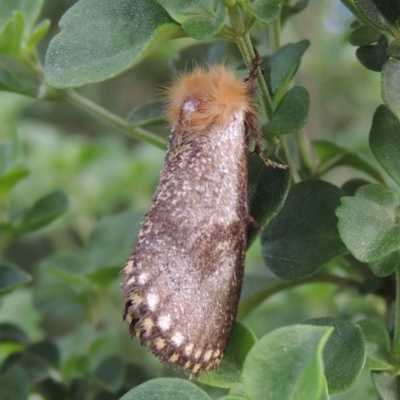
[
  {"x": 331, "y": 156},
  {"x": 11, "y": 277},
  {"x": 44, "y": 211},
  {"x": 382, "y": 196},
  {"x": 203, "y": 27},
  {"x": 390, "y": 85},
  {"x": 13, "y": 333},
  {"x": 344, "y": 353},
  {"x": 266, "y": 11},
  {"x": 268, "y": 188},
  {"x": 166, "y": 389},
  {"x": 304, "y": 236},
  {"x": 364, "y": 35},
  {"x": 64, "y": 318},
  {"x": 199, "y": 7},
  {"x": 38, "y": 34},
  {"x": 9, "y": 83},
  {"x": 34, "y": 366},
  {"x": 14, "y": 384},
  {"x": 101, "y": 39},
  {"x": 284, "y": 64},
  {"x": 385, "y": 266},
  {"x": 47, "y": 350},
  {"x": 374, "y": 56},
  {"x": 229, "y": 372},
  {"x": 12, "y": 35},
  {"x": 287, "y": 364},
  {"x": 291, "y": 114},
  {"x": 388, "y": 386},
  {"x": 384, "y": 141},
  {"x": 29, "y": 8},
  {"x": 199, "y": 54},
  {"x": 394, "y": 49},
  {"x": 378, "y": 345},
  {"x": 150, "y": 113},
  {"x": 110, "y": 373},
  {"x": 367, "y": 225},
  {"x": 289, "y": 10},
  {"x": 350, "y": 187},
  {"x": 384, "y": 14},
  {"x": 112, "y": 238},
  {"x": 231, "y": 397},
  {"x": 11, "y": 178},
  {"x": 9, "y": 154}
]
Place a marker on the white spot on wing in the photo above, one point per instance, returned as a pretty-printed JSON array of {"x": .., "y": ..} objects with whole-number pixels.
[
  {"x": 188, "y": 349},
  {"x": 152, "y": 301},
  {"x": 177, "y": 338},
  {"x": 164, "y": 322},
  {"x": 143, "y": 278}
]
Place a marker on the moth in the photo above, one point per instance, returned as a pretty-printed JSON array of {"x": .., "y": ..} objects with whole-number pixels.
[{"x": 182, "y": 284}]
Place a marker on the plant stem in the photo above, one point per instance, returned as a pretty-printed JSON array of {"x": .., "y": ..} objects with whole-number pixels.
[
  {"x": 246, "y": 49},
  {"x": 75, "y": 98},
  {"x": 252, "y": 302},
  {"x": 277, "y": 33},
  {"x": 305, "y": 152},
  {"x": 396, "y": 336},
  {"x": 288, "y": 158}
]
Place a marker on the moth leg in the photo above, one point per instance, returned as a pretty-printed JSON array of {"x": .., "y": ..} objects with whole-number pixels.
[
  {"x": 267, "y": 161},
  {"x": 256, "y": 224}
]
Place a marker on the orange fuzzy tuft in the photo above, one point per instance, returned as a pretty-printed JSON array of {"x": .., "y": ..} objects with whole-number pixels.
[{"x": 205, "y": 97}]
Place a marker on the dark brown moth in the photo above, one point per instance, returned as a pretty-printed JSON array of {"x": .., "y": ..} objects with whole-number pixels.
[{"x": 182, "y": 283}]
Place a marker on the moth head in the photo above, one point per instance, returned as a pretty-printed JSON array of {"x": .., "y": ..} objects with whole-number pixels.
[{"x": 207, "y": 96}]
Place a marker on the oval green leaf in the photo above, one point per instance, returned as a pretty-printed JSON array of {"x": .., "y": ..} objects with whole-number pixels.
[
  {"x": 112, "y": 238},
  {"x": 268, "y": 188},
  {"x": 101, "y": 39},
  {"x": 14, "y": 384},
  {"x": 10, "y": 333},
  {"x": 367, "y": 228},
  {"x": 384, "y": 140},
  {"x": 291, "y": 113},
  {"x": 29, "y": 8},
  {"x": 11, "y": 178},
  {"x": 44, "y": 211},
  {"x": 284, "y": 64},
  {"x": 12, "y": 277},
  {"x": 304, "y": 235},
  {"x": 378, "y": 345},
  {"x": 9, "y": 83},
  {"x": 374, "y": 56},
  {"x": 390, "y": 85},
  {"x": 11, "y": 37},
  {"x": 150, "y": 113},
  {"x": 385, "y": 266},
  {"x": 287, "y": 364},
  {"x": 331, "y": 156},
  {"x": 384, "y": 14},
  {"x": 266, "y": 11},
  {"x": 229, "y": 371},
  {"x": 166, "y": 389},
  {"x": 364, "y": 35},
  {"x": 110, "y": 373},
  {"x": 388, "y": 386},
  {"x": 202, "y": 27},
  {"x": 344, "y": 353}
]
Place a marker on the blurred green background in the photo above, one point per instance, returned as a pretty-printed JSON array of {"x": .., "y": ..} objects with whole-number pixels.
[{"x": 106, "y": 173}]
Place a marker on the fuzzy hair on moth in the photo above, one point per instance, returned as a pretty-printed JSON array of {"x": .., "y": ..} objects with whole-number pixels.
[{"x": 183, "y": 281}]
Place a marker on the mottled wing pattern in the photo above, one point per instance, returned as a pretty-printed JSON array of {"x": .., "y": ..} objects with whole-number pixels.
[{"x": 182, "y": 284}]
